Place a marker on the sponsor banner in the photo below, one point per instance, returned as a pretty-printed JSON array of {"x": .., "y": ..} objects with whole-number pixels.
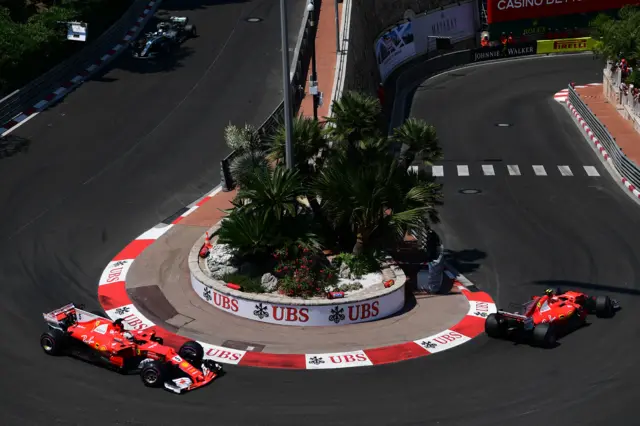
[
  {"x": 337, "y": 360},
  {"x": 220, "y": 354},
  {"x": 115, "y": 272},
  {"x": 481, "y": 309},
  {"x": 566, "y": 45},
  {"x": 456, "y": 23},
  {"x": 132, "y": 318},
  {"x": 442, "y": 341},
  {"x": 303, "y": 315},
  {"x": 394, "y": 47},
  {"x": 513, "y": 10},
  {"x": 409, "y": 39},
  {"x": 510, "y": 51}
]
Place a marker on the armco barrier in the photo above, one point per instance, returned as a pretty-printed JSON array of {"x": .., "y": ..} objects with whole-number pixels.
[
  {"x": 33, "y": 92},
  {"x": 300, "y": 63},
  {"x": 623, "y": 165}
]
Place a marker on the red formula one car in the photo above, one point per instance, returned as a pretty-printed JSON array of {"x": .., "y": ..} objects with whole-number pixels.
[
  {"x": 544, "y": 318},
  {"x": 92, "y": 337}
]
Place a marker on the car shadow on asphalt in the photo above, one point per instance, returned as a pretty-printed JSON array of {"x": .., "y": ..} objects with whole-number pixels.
[{"x": 11, "y": 145}]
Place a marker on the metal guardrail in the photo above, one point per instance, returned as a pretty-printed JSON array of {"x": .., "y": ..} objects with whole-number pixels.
[
  {"x": 300, "y": 66},
  {"x": 33, "y": 92},
  {"x": 627, "y": 168}
]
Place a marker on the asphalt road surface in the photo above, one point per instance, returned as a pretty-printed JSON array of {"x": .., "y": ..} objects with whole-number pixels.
[{"x": 105, "y": 166}]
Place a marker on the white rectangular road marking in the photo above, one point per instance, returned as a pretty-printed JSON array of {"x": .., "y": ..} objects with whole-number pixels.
[
  {"x": 463, "y": 170},
  {"x": 487, "y": 169},
  {"x": 437, "y": 171},
  {"x": 514, "y": 170},
  {"x": 539, "y": 170},
  {"x": 565, "y": 171},
  {"x": 591, "y": 171}
]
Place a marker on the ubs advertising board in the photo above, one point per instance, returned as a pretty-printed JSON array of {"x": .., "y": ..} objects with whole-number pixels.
[
  {"x": 407, "y": 40},
  {"x": 514, "y": 10}
]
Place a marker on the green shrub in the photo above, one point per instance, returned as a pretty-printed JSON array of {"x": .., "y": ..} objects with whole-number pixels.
[
  {"x": 248, "y": 284},
  {"x": 359, "y": 265}
]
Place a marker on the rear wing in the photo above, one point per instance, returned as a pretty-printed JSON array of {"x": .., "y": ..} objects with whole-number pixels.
[
  {"x": 179, "y": 19},
  {"x": 69, "y": 314}
]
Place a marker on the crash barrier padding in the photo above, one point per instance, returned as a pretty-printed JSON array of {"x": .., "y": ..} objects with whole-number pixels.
[
  {"x": 33, "y": 92},
  {"x": 566, "y": 45},
  {"x": 511, "y": 50},
  {"x": 625, "y": 167},
  {"x": 300, "y": 63}
]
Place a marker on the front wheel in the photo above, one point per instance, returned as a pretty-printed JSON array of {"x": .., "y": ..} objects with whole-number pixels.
[
  {"x": 53, "y": 342},
  {"x": 193, "y": 352},
  {"x": 604, "y": 307},
  {"x": 153, "y": 374}
]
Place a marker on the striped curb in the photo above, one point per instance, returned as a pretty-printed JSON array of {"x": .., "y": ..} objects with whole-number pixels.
[
  {"x": 562, "y": 95},
  {"x": 598, "y": 145},
  {"x": 66, "y": 87},
  {"x": 115, "y": 301}
]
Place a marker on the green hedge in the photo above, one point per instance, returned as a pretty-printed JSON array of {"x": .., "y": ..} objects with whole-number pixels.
[{"x": 31, "y": 41}]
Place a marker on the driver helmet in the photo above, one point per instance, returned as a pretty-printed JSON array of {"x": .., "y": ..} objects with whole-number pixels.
[
  {"x": 549, "y": 292},
  {"x": 117, "y": 324}
]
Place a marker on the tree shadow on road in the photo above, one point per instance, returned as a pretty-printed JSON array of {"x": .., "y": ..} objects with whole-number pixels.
[
  {"x": 577, "y": 285},
  {"x": 465, "y": 261},
  {"x": 195, "y": 4}
]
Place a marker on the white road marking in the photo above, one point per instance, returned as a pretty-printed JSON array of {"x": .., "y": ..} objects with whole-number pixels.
[
  {"x": 591, "y": 171},
  {"x": 539, "y": 170},
  {"x": 514, "y": 170},
  {"x": 487, "y": 169},
  {"x": 463, "y": 170},
  {"x": 437, "y": 171},
  {"x": 565, "y": 171}
]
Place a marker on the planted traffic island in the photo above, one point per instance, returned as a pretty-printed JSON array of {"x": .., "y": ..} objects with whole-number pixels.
[
  {"x": 309, "y": 243},
  {"x": 302, "y": 289}
]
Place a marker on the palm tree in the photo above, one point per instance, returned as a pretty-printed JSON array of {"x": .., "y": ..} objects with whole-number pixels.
[
  {"x": 271, "y": 193},
  {"x": 379, "y": 202},
  {"x": 309, "y": 140},
  {"x": 419, "y": 141},
  {"x": 356, "y": 116},
  {"x": 250, "y": 154}
]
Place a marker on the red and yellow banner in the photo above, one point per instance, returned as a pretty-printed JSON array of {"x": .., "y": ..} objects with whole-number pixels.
[{"x": 513, "y": 10}]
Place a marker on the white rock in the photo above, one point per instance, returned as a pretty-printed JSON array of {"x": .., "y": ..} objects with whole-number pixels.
[
  {"x": 345, "y": 271},
  {"x": 220, "y": 255},
  {"x": 269, "y": 282},
  {"x": 219, "y": 273}
]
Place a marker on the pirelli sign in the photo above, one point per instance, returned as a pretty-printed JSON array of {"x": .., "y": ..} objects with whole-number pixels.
[{"x": 564, "y": 45}]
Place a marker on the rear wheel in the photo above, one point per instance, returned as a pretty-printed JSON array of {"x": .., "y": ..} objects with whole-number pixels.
[
  {"x": 53, "y": 342},
  {"x": 153, "y": 374},
  {"x": 604, "y": 307},
  {"x": 193, "y": 352},
  {"x": 544, "y": 336},
  {"x": 495, "y": 326}
]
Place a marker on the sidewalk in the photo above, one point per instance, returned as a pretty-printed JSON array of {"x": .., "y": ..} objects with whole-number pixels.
[
  {"x": 326, "y": 57},
  {"x": 627, "y": 138}
]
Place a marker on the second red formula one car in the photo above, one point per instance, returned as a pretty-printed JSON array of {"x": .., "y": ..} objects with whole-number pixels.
[
  {"x": 90, "y": 336},
  {"x": 544, "y": 318}
]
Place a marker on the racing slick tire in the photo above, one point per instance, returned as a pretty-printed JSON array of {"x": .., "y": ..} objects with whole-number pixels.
[
  {"x": 53, "y": 342},
  {"x": 190, "y": 30},
  {"x": 544, "y": 336},
  {"x": 495, "y": 326},
  {"x": 604, "y": 307},
  {"x": 193, "y": 352},
  {"x": 153, "y": 374}
]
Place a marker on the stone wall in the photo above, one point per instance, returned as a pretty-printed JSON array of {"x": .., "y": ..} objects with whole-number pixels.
[{"x": 368, "y": 19}]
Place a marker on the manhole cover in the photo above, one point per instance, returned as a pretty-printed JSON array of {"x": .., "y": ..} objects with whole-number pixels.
[
  {"x": 254, "y": 20},
  {"x": 503, "y": 124},
  {"x": 469, "y": 191}
]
